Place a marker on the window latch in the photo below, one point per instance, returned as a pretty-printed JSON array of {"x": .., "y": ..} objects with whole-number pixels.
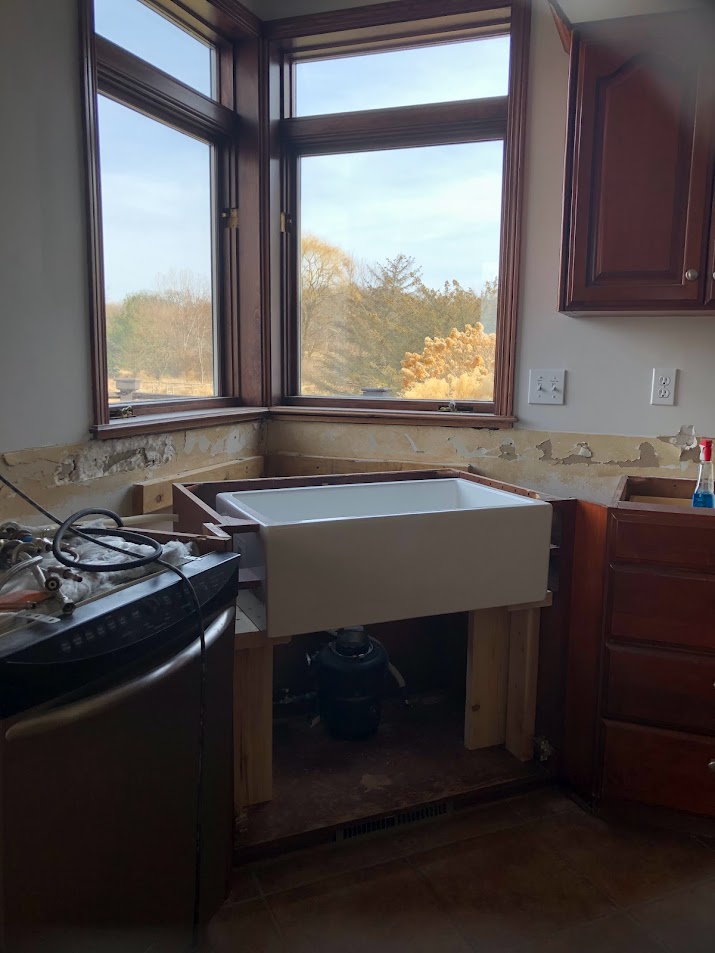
[
  {"x": 230, "y": 217},
  {"x": 453, "y": 408},
  {"x": 117, "y": 411},
  {"x": 286, "y": 223}
]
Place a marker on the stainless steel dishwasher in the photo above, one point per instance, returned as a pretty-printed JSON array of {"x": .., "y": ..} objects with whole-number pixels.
[{"x": 100, "y": 727}]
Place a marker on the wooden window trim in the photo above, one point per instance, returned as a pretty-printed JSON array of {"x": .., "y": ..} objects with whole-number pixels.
[
  {"x": 479, "y": 407},
  {"x": 110, "y": 70},
  {"x": 129, "y": 80},
  {"x": 430, "y": 124},
  {"x": 165, "y": 422},
  {"x": 373, "y": 27},
  {"x": 214, "y": 20},
  {"x": 383, "y": 23},
  {"x": 402, "y": 415}
]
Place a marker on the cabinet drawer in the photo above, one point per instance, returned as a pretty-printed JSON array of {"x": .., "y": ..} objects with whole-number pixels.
[
  {"x": 683, "y": 541},
  {"x": 671, "y": 689},
  {"x": 664, "y": 768},
  {"x": 647, "y": 606}
]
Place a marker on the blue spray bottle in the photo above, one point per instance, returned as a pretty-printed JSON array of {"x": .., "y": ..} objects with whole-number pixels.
[{"x": 704, "y": 493}]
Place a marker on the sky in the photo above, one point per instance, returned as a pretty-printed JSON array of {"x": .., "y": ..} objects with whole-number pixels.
[{"x": 439, "y": 205}]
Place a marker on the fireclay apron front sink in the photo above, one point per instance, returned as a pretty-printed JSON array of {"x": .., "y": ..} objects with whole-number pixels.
[{"x": 359, "y": 553}]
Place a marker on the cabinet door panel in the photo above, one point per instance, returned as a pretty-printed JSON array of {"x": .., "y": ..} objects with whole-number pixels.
[
  {"x": 682, "y": 541},
  {"x": 641, "y": 169},
  {"x": 664, "y": 768},
  {"x": 661, "y": 607},
  {"x": 669, "y": 689}
]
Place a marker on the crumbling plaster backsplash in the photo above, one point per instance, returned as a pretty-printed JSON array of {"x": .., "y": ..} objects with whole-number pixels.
[
  {"x": 101, "y": 472},
  {"x": 587, "y": 466}
]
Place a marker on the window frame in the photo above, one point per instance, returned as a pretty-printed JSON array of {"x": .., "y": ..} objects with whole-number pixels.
[
  {"x": 112, "y": 71},
  {"x": 372, "y": 30}
]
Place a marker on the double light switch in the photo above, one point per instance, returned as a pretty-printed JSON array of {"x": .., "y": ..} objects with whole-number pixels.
[{"x": 547, "y": 386}]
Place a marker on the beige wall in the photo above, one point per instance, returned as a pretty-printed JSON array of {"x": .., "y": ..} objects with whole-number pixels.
[
  {"x": 609, "y": 360},
  {"x": 44, "y": 358}
]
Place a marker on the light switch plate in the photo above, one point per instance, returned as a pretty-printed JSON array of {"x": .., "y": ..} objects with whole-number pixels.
[
  {"x": 547, "y": 386},
  {"x": 663, "y": 386}
]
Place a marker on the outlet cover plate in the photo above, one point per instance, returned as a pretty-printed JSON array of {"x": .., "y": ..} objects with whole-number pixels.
[
  {"x": 663, "y": 386},
  {"x": 547, "y": 386}
]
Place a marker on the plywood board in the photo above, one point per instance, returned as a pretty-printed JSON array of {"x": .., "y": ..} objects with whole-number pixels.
[{"x": 152, "y": 495}]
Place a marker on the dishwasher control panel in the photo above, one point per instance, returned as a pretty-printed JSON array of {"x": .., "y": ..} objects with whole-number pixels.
[{"x": 144, "y": 609}]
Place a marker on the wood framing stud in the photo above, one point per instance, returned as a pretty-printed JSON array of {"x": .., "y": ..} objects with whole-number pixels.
[
  {"x": 253, "y": 726},
  {"x": 502, "y": 674},
  {"x": 523, "y": 672},
  {"x": 487, "y": 669}
]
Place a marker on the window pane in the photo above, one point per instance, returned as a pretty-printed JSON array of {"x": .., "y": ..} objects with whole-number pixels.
[
  {"x": 399, "y": 261},
  {"x": 145, "y": 33},
  {"x": 471, "y": 69},
  {"x": 158, "y": 226}
]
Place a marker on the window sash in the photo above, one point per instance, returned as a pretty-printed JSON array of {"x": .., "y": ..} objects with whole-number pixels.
[
  {"x": 501, "y": 117},
  {"x": 114, "y": 72},
  {"x": 380, "y": 129}
]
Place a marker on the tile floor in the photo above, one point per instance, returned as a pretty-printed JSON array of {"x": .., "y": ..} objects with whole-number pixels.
[{"x": 534, "y": 874}]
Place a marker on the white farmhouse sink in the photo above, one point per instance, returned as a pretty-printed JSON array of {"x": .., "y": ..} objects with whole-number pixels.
[{"x": 358, "y": 553}]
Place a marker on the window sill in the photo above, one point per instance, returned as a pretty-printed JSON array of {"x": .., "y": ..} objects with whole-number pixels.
[
  {"x": 168, "y": 423},
  {"x": 420, "y": 418}
]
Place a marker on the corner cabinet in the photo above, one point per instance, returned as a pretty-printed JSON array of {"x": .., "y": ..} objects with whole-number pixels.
[{"x": 639, "y": 217}]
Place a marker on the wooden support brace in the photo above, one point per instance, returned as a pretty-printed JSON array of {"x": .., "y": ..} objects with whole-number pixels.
[
  {"x": 502, "y": 673},
  {"x": 487, "y": 668},
  {"x": 523, "y": 672},
  {"x": 253, "y": 725}
]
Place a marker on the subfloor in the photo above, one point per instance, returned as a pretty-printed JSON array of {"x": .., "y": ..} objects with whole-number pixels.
[
  {"x": 535, "y": 874},
  {"x": 417, "y": 756}
]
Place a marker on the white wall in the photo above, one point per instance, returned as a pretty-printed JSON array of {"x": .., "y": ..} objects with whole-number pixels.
[
  {"x": 44, "y": 333},
  {"x": 44, "y": 340},
  {"x": 609, "y": 360}
]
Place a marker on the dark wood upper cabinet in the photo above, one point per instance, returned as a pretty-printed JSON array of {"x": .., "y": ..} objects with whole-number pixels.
[{"x": 638, "y": 213}]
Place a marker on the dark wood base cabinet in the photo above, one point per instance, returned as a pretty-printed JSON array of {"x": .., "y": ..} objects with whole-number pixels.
[
  {"x": 651, "y": 687},
  {"x": 658, "y": 662}
]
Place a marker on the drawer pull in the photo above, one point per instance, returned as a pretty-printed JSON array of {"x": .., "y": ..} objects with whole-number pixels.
[{"x": 712, "y": 765}]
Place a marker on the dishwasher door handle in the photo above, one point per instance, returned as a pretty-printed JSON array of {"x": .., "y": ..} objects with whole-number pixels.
[{"x": 98, "y": 704}]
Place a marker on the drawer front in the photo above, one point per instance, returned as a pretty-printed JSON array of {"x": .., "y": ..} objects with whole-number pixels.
[
  {"x": 684, "y": 541},
  {"x": 647, "y": 606},
  {"x": 669, "y": 689},
  {"x": 663, "y": 768}
]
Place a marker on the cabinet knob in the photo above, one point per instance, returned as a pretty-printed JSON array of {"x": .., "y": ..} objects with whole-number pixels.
[
  {"x": 712, "y": 765},
  {"x": 692, "y": 274}
]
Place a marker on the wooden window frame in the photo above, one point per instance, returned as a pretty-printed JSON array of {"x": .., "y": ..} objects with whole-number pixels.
[
  {"x": 229, "y": 123},
  {"x": 370, "y": 29}
]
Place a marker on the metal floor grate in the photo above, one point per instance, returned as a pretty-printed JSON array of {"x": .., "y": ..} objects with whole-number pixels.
[{"x": 419, "y": 815}]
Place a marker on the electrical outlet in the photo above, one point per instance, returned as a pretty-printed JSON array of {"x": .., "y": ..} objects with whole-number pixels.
[
  {"x": 547, "y": 386},
  {"x": 663, "y": 386}
]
